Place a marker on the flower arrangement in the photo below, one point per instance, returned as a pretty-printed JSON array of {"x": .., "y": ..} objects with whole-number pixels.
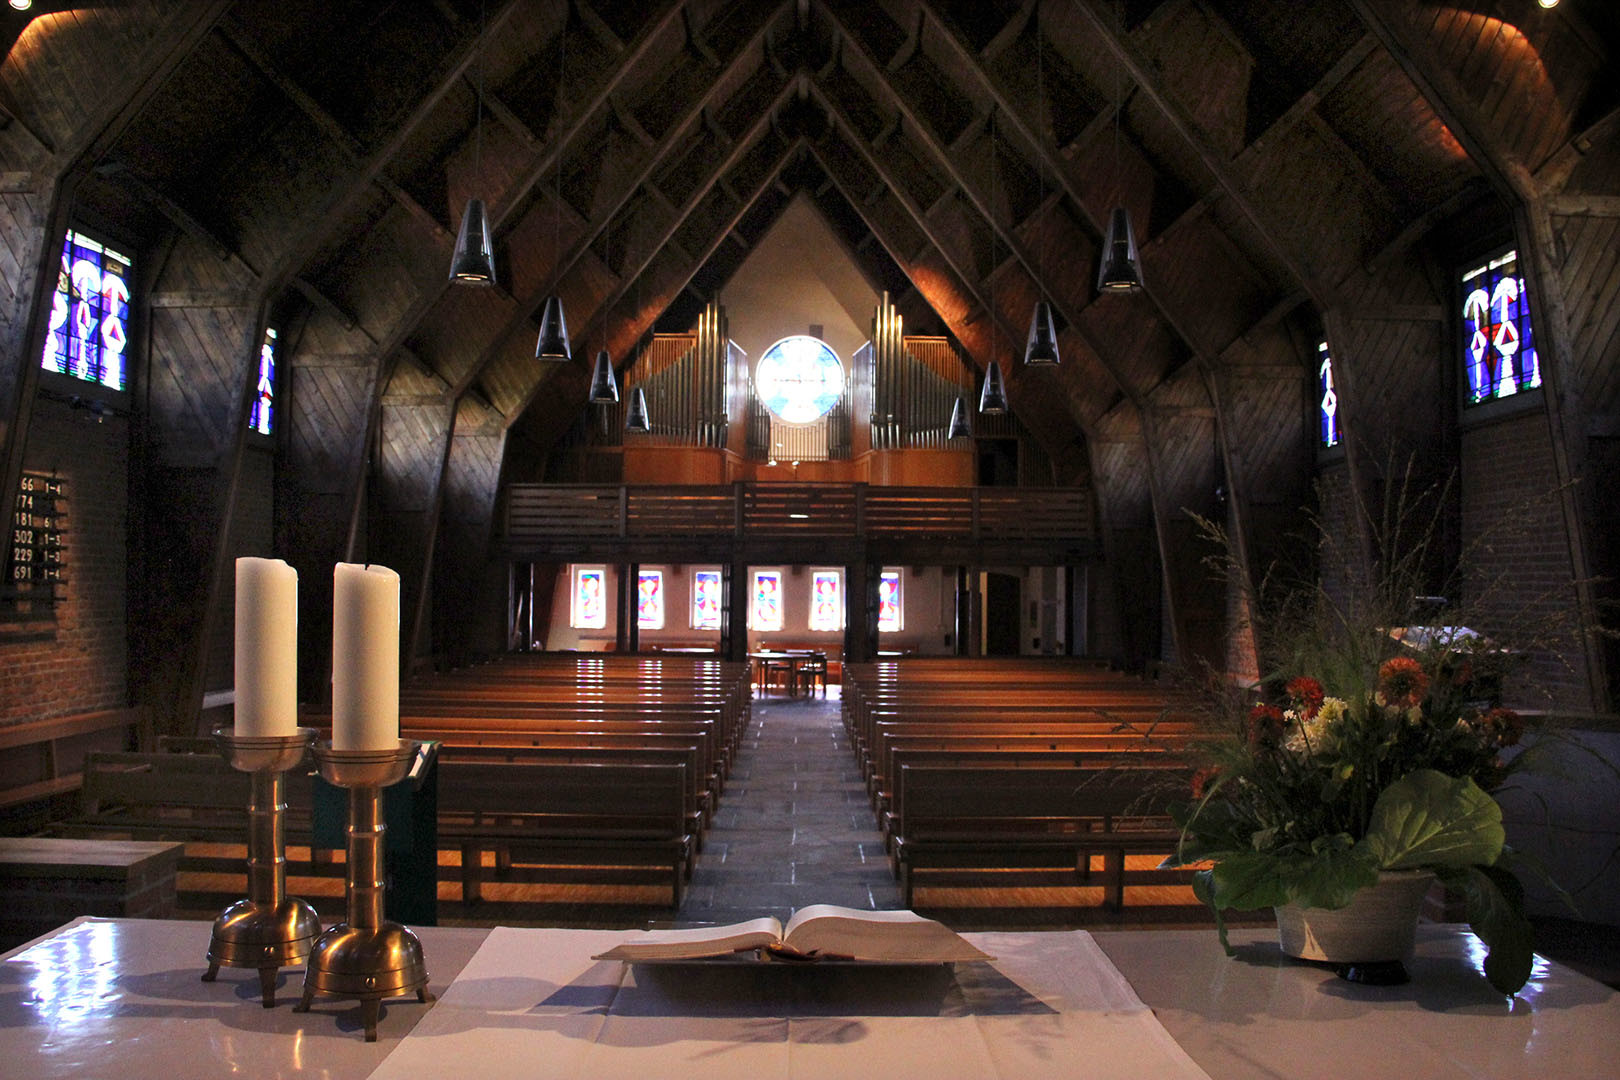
[{"x": 1366, "y": 750}]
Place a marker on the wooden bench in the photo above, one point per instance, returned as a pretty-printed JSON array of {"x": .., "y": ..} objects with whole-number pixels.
[
  {"x": 44, "y": 881},
  {"x": 566, "y": 815},
  {"x": 43, "y": 759},
  {"x": 984, "y": 818},
  {"x": 167, "y": 796}
]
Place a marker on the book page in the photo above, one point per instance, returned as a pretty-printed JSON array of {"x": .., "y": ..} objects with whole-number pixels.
[
  {"x": 697, "y": 943},
  {"x": 886, "y": 936}
]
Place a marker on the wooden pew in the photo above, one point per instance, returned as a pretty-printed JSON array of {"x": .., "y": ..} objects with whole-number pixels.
[
  {"x": 43, "y": 759},
  {"x": 972, "y": 817},
  {"x": 556, "y": 814},
  {"x": 163, "y": 796}
]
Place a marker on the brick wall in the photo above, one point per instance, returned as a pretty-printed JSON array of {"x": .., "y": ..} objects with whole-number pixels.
[
  {"x": 1520, "y": 573},
  {"x": 79, "y": 662}
]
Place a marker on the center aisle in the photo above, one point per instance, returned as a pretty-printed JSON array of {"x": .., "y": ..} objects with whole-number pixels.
[{"x": 794, "y": 826}]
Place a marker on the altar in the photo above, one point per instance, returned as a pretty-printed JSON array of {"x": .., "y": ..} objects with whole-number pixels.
[{"x": 122, "y": 997}]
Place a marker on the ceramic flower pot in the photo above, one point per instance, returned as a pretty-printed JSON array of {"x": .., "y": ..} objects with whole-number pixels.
[{"x": 1378, "y": 925}]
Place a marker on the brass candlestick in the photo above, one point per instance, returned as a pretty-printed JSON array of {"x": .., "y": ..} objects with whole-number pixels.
[
  {"x": 367, "y": 957},
  {"x": 269, "y": 930}
]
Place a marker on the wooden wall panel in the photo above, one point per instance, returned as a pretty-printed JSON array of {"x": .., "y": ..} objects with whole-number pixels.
[
  {"x": 1402, "y": 140},
  {"x": 1591, "y": 278},
  {"x": 1316, "y": 209},
  {"x": 1508, "y": 72},
  {"x": 1214, "y": 91},
  {"x": 468, "y": 615}
]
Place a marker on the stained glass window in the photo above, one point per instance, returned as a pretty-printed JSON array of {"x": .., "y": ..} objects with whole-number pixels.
[
  {"x": 89, "y": 328},
  {"x": 799, "y": 379},
  {"x": 889, "y": 619},
  {"x": 1329, "y": 401},
  {"x": 263, "y": 415},
  {"x": 1499, "y": 349},
  {"x": 650, "y": 600},
  {"x": 826, "y": 600},
  {"x": 767, "y": 606},
  {"x": 590, "y": 598},
  {"x": 706, "y": 600}
]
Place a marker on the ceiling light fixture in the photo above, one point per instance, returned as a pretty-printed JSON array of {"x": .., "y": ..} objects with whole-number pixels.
[
  {"x": 959, "y": 423},
  {"x": 473, "y": 262},
  {"x": 553, "y": 342},
  {"x": 993, "y": 395},
  {"x": 1121, "y": 269},
  {"x": 993, "y": 398},
  {"x": 604, "y": 389},
  {"x": 24, "y": 5},
  {"x": 636, "y": 418},
  {"x": 1041, "y": 349}
]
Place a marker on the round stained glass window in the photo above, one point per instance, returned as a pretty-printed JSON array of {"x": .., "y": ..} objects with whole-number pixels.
[{"x": 799, "y": 379}]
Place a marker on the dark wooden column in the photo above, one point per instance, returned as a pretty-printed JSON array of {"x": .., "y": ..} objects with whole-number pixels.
[
  {"x": 734, "y": 611},
  {"x": 860, "y": 612}
]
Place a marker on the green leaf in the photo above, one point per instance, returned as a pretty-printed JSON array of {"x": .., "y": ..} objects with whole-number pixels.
[
  {"x": 1496, "y": 914},
  {"x": 1330, "y": 878},
  {"x": 1247, "y": 881},
  {"x": 1429, "y": 819}
]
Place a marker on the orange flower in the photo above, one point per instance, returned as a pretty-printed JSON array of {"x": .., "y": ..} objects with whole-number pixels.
[
  {"x": 1402, "y": 682},
  {"x": 1306, "y": 694}
]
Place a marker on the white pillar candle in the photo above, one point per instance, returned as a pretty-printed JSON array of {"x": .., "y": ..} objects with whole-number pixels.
[
  {"x": 365, "y": 657},
  {"x": 266, "y": 648}
]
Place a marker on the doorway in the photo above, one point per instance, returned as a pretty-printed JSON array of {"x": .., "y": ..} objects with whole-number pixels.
[{"x": 1001, "y": 597}]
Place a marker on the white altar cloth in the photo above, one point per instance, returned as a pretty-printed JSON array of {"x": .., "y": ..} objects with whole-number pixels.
[{"x": 531, "y": 1003}]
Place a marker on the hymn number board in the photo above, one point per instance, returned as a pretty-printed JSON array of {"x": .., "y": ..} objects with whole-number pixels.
[{"x": 35, "y": 566}]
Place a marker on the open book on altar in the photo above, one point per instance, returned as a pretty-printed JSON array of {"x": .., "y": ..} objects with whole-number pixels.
[{"x": 820, "y": 932}]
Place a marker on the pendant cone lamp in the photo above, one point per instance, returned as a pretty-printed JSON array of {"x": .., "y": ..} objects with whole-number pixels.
[
  {"x": 636, "y": 419},
  {"x": 604, "y": 390},
  {"x": 959, "y": 424},
  {"x": 553, "y": 343},
  {"x": 474, "y": 260},
  {"x": 1041, "y": 350},
  {"x": 993, "y": 398},
  {"x": 1121, "y": 269}
]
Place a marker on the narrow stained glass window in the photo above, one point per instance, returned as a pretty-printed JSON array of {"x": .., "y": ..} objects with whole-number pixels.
[
  {"x": 263, "y": 416},
  {"x": 767, "y": 605},
  {"x": 1499, "y": 352},
  {"x": 706, "y": 600},
  {"x": 590, "y": 598},
  {"x": 650, "y": 600},
  {"x": 826, "y": 600},
  {"x": 889, "y": 611},
  {"x": 89, "y": 328},
  {"x": 1329, "y": 401}
]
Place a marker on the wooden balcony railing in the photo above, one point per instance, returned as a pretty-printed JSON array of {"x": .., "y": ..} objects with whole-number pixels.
[{"x": 540, "y": 513}]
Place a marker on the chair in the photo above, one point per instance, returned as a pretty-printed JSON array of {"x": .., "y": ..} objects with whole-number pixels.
[{"x": 811, "y": 669}]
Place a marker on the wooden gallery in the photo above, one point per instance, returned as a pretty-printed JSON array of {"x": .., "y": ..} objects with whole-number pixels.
[{"x": 501, "y": 492}]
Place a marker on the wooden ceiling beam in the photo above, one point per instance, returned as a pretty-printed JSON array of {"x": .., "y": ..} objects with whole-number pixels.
[
  {"x": 1020, "y": 395},
  {"x": 1307, "y": 102},
  {"x": 573, "y": 375},
  {"x": 1141, "y": 73},
  {"x": 1052, "y": 165},
  {"x": 889, "y": 184},
  {"x": 179, "y": 216},
  {"x": 947, "y": 163},
  {"x": 674, "y": 138},
  {"x": 502, "y": 211}
]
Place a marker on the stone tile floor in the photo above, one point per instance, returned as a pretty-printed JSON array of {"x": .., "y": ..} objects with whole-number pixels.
[{"x": 794, "y": 826}]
